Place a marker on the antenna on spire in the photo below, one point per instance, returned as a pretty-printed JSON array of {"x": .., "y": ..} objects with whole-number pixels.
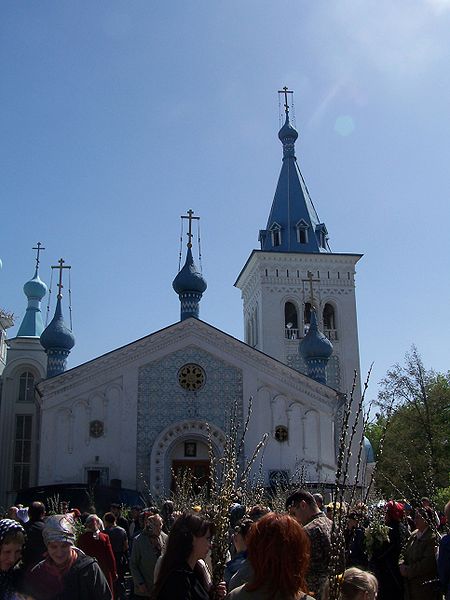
[
  {"x": 39, "y": 247},
  {"x": 285, "y": 91}
]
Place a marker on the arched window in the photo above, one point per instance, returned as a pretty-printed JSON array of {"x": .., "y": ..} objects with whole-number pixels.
[
  {"x": 306, "y": 317},
  {"x": 26, "y": 387},
  {"x": 275, "y": 231},
  {"x": 290, "y": 321},
  {"x": 329, "y": 321}
]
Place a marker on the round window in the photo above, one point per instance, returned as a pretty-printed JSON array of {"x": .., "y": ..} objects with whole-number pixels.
[{"x": 191, "y": 377}]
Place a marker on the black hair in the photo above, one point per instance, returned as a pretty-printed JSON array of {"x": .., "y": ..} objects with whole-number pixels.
[
  {"x": 179, "y": 546},
  {"x": 299, "y": 495}
]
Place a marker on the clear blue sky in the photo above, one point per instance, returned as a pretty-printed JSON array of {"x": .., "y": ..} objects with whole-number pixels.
[{"x": 119, "y": 116}]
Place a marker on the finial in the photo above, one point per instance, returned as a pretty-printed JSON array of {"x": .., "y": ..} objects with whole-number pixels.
[
  {"x": 190, "y": 217},
  {"x": 285, "y": 91},
  {"x": 39, "y": 247},
  {"x": 60, "y": 266},
  {"x": 310, "y": 279}
]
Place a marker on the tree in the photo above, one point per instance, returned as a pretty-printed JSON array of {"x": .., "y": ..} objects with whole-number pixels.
[{"x": 415, "y": 413}]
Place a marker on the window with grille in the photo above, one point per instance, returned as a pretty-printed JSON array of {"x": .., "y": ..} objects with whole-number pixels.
[
  {"x": 26, "y": 387},
  {"x": 22, "y": 452}
]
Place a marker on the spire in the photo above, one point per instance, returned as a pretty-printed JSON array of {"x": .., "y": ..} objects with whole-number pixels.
[
  {"x": 35, "y": 289},
  {"x": 293, "y": 224},
  {"x": 316, "y": 350},
  {"x": 189, "y": 284},
  {"x": 57, "y": 339}
]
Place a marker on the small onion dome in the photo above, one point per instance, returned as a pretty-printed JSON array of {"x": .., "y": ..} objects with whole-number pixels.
[
  {"x": 370, "y": 454},
  {"x": 35, "y": 288},
  {"x": 315, "y": 344},
  {"x": 189, "y": 279},
  {"x": 287, "y": 132},
  {"x": 57, "y": 336}
]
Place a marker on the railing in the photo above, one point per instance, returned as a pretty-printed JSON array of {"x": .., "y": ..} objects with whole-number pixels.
[
  {"x": 291, "y": 334},
  {"x": 331, "y": 334},
  {"x": 296, "y": 334}
]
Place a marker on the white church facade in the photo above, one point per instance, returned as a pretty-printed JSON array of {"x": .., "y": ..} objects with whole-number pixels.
[{"x": 143, "y": 410}]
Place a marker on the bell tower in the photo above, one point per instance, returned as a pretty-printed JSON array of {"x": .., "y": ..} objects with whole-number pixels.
[{"x": 295, "y": 272}]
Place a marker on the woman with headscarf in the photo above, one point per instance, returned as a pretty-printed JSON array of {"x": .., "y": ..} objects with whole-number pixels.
[
  {"x": 97, "y": 544},
  {"x": 11, "y": 542},
  {"x": 67, "y": 573}
]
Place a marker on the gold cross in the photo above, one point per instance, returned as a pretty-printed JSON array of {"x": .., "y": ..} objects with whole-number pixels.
[
  {"x": 190, "y": 217},
  {"x": 60, "y": 266}
]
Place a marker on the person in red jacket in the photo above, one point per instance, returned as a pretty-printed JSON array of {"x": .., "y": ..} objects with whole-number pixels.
[{"x": 97, "y": 544}]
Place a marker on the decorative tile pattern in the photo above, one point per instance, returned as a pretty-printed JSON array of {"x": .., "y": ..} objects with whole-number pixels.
[
  {"x": 162, "y": 402},
  {"x": 295, "y": 361}
]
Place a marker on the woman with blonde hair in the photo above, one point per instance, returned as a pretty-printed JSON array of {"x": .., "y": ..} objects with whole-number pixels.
[{"x": 355, "y": 584}]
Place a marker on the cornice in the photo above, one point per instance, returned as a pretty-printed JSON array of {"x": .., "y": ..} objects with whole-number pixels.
[{"x": 196, "y": 332}]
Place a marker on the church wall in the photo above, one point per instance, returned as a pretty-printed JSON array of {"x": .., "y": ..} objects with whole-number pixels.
[{"x": 163, "y": 402}]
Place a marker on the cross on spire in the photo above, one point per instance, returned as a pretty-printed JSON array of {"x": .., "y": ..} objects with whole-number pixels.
[
  {"x": 285, "y": 91},
  {"x": 311, "y": 280},
  {"x": 60, "y": 266},
  {"x": 190, "y": 217},
  {"x": 39, "y": 247}
]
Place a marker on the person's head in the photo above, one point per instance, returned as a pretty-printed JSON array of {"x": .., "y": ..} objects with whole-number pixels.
[
  {"x": 134, "y": 512},
  {"x": 58, "y": 535},
  {"x": 423, "y": 518},
  {"x": 109, "y": 519},
  {"x": 36, "y": 511},
  {"x": 278, "y": 551},
  {"x": 64, "y": 506},
  {"x": 189, "y": 540},
  {"x": 116, "y": 509},
  {"x": 92, "y": 523},
  {"x": 447, "y": 512},
  {"x": 394, "y": 511},
  {"x": 319, "y": 500},
  {"x": 256, "y": 512},
  {"x": 12, "y": 513},
  {"x": 355, "y": 584},
  {"x": 426, "y": 502},
  {"x": 11, "y": 542},
  {"x": 240, "y": 534},
  {"x": 302, "y": 506},
  {"x": 153, "y": 523}
]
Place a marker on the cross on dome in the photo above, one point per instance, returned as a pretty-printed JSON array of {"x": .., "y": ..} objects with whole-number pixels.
[{"x": 60, "y": 266}]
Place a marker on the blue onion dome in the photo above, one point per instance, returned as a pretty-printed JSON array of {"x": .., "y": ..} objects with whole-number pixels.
[
  {"x": 57, "y": 336},
  {"x": 189, "y": 279},
  {"x": 315, "y": 344},
  {"x": 287, "y": 132},
  {"x": 35, "y": 288}
]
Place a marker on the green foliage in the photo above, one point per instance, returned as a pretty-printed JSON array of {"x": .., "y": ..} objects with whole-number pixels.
[
  {"x": 415, "y": 406},
  {"x": 441, "y": 497}
]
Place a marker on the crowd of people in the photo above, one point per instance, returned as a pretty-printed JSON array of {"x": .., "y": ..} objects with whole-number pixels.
[{"x": 310, "y": 551}]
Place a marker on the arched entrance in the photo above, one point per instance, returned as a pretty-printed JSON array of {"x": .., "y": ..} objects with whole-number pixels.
[
  {"x": 172, "y": 444},
  {"x": 191, "y": 454}
]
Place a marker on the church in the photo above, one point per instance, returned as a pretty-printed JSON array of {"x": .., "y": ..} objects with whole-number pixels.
[{"x": 142, "y": 411}]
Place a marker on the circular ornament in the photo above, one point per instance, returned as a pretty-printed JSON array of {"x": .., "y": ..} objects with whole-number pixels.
[
  {"x": 96, "y": 429},
  {"x": 191, "y": 377},
  {"x": 281, "y": 433}
]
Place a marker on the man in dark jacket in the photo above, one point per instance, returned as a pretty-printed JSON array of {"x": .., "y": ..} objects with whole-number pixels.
[{"x": 34, "y": 548}]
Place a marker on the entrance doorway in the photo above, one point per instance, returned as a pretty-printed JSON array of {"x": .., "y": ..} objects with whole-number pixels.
[{"x": 198, "y": 468}]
